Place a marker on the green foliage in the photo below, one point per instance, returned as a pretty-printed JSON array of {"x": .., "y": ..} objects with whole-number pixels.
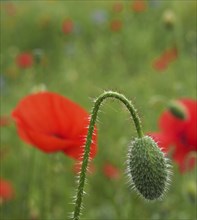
[{"x": 80, "y": 66}]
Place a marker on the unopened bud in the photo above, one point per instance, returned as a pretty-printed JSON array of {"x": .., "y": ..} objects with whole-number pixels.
[
  {"x": 148, "y": 168},
  {"x": 38, "y": 54},
  {"x": 178, "y": 110},
  {"x": 191, "y": 191},
  {"x": 169, "y": 18},
  {"x": 39, "y": 88}
]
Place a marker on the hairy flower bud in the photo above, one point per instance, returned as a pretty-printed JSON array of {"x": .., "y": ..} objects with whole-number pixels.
[{"x": 147, "y": 168}]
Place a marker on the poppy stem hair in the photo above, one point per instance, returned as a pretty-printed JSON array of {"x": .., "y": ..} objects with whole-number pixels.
[{"x": 98, "y": 101}]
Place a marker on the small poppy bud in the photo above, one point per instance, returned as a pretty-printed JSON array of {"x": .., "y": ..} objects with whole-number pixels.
[
  {"x": 191, "y": 191},
  {"x": 178, "y": 110},
  {"x": 169, "y": 19},
  {"x": 39, "y": 88},
  {"x": 38, "y": 54},
  {"x": 147, "y": 168}
]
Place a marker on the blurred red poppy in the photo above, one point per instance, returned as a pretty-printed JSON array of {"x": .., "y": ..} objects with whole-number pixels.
[
  {"x": 139, "y": 6},
  {"x": 170, "y": 54},
  {"x": 116, "y": 25},
  {"x": 53, "y": 123},
  {"x": 4, "y": 120},
  {"x": 117, "y": 7},
  {"x": 179, "y": 133},
  {"x": 10, "y": 8},
  {"x": 6, "y": 190},
  {"x": 67, "y": 26},
  {"x": 110, "y": 171},
  {"x": 24, "y": 60},
  {"x": 162, "y": 62}
]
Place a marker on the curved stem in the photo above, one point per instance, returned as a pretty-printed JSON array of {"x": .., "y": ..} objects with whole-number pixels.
[{"x": 94, "y": 113}]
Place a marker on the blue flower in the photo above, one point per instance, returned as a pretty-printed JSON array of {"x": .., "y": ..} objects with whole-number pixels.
[{"x": 99, "y": 17}]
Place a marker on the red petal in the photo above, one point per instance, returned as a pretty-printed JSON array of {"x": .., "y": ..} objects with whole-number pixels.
[
  {"x": 191, "y": 129},
  {"x": 160, "y": 64},
  {"x": 170, "y": 55},
  {"x": 180, "y": 153},
  {"x": 51, "y": 122},
  {"x": 77, "y": 152},
  {"x": 181, "y": 157},
  {"x": 49, "y": 143},
  {"x": 170, "y": 124},
  {"x": 111, "y": 171},
  {"x": 139, "y": 5},
  {"x": 35, "y": 112},
  {"x": 116, "y": 25},
  {"x": 162, "y": 140},
  {"x": 6, "y": 190},
  {"x": 181, "y": 129},
  {"x": 67, "y": 26},
  {"x": 50, "y": 113},
  {"x": 24, "y": 60}
]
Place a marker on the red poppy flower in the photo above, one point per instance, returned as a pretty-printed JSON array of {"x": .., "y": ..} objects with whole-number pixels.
[
  {"x": 67, "y": 26},
  {"x": 24, "y": 60},
  {"x": 6, "y": 190},
  {"x": 110, "y": 171},
  {"x": 139, "y": 6},
  {"x": 179, "y": 133},
  {"x": 53, "y": 123},
  {"x": 117, "y": 7},
  {"x": 10, "y": 9},
  {"x": 116, "y": 25},
  {"x": 162, "y": 62},
  {"x": 170, "y": 54}
]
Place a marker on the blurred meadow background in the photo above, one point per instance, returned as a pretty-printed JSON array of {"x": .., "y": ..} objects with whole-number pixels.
[{"x": 79, "y": 49}]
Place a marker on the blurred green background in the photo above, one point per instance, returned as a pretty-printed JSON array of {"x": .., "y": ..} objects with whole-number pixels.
[{"x": 91, "y": 58}]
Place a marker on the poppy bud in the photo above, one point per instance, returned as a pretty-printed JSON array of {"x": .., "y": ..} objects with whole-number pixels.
[
  {"x": 178, "y": 110},
  {"x": 147, "y": 168},
  {"x": 191, "y": 191},
  {"x": 38, "y": 54},
  {"x": 169, "y": 19},
  {"x": 39, "y": 88}
]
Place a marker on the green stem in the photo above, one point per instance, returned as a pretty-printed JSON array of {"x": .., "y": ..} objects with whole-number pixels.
[{"x": 99, "y": 100}]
